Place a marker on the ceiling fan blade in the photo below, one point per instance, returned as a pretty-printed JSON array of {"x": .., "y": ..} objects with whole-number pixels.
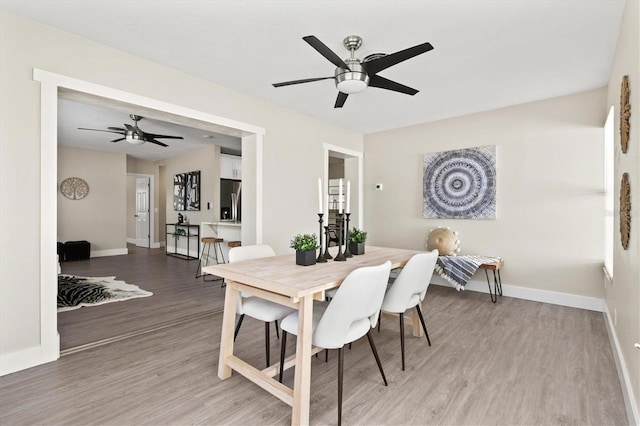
[
  {"x": 157, "y": 142},
  {"x": 376, "y": 65},
  {"x": 384, "y": 83},
  {"x": 118, "y": 140},
  {"x": 130, "y": 127},
  {"x": 154, "y": 136},
  {"x": 325, "y": 51},
  {"x": 342, "y": 97},
  {"x": 100, "y": 130},
  {"x": 120, "y": 129},
  {"x": 306, "y": 80}
]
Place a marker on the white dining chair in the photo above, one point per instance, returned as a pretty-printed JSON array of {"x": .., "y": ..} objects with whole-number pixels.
[
  {"x": 253, "y": 306},
  {"x": 351, "y": 314},
  {"x": 409, "y": 289}
]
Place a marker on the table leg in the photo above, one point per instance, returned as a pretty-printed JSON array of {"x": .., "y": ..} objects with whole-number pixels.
[
  {"x": 228, "y": 322},
  {"x": 415, "y": 323},
  {"x": 302, "y": 379},
  {"x": 497, "y": 285}
]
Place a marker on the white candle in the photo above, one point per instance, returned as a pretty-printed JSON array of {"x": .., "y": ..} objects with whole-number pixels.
[
  {"x": 348, "y": 208},
  {"x": 340, "y": 197},
  {"x": 320, "y": 195}
]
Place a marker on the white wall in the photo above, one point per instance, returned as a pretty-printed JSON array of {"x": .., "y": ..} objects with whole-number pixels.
[
  {"x": 622, "y": 298},
  {"x": 131, "y": 207},
  {"x": 99, "y": 218},
  {"x": 293, "y": 156},
  {"x": 549, "y": 190}
]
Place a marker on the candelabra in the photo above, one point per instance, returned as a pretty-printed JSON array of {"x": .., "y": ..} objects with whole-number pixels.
[
  {"x": 347, "y": 253},
  {"x": 340, "y": 256},
  {"x": 326, "y": 254},
  {"x": 321, "y": 258}
]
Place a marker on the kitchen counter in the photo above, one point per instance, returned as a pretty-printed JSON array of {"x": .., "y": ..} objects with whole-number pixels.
[
  {"x": 223, "y": 223},
  {"x": 228, "y": 230}
]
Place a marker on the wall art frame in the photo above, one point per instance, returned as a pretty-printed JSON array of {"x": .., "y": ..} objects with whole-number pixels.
[
  {"x": 186, "y": 191},
  {"x": 460, "y": 184},
  {"x": 625, "y": 114},
  {"x": 625, "y": 211}
]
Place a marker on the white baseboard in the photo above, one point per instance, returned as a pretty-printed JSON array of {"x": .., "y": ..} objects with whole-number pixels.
[
  {"x": 537, "y": 295},
  {"x": 26, "y": 358},
  {"x": 131, "y": 241},
  {"x": 633, "y": 412},
  {"x": 111, "y": 252}
]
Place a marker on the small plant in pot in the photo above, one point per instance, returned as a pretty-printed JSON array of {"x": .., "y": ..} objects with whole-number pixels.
[
  {"x": 305, "y": 246},
  {"x": 357, "y": 237}
]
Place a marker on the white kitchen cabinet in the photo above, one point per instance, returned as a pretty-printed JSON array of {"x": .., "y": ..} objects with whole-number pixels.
[{"x": 230, "y": 166}]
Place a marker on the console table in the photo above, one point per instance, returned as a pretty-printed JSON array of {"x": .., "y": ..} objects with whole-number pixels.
[{"x": 186, "y": 230}]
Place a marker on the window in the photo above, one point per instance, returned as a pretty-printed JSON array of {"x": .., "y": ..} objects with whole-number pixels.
[{"x": 608, "y": 192}]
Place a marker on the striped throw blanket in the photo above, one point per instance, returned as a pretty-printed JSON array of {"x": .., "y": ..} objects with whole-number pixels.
[{"x": 458, "y": 270}]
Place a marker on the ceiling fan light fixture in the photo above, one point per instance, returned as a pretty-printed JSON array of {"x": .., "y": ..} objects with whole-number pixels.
[
  {"x": 353, "y": 80},
  {"x": 134, "y": 138}
]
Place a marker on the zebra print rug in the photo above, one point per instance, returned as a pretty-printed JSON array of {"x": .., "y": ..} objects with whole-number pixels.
[{"x": 75, "y": 292}]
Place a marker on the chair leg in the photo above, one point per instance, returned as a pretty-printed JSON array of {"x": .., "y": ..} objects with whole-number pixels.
[
  {"x": 402, "y": 338},
  {"x": 235, "y": 333},
  {"x": 340, "y": 377},
  {"x": 326, "y": 355},
  {"x": 283, "y": 348},
  {"x": 267, "y": 342},
  {"x": 379, "y": 320},
  {"x": 424, "y": 327},
  {"x": 375, "y": 354},
  {"x": 277, "y": 331}
]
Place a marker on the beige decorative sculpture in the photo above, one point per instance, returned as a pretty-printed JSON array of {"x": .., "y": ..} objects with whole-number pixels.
[{"x": 444, "y": 240}]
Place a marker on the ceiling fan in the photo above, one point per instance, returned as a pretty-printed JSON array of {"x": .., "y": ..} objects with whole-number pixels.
[
  {"x": 353, "y": 75},
  {"x": 133, "y": 134}
]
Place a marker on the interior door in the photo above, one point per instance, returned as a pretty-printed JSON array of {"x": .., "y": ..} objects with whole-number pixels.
[{"x": 142, "y": 212}]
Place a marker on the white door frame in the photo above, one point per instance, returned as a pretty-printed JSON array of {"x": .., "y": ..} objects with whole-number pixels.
[
  {"x": 50, "y": 83},
  {"x": 152, "y": 208}
]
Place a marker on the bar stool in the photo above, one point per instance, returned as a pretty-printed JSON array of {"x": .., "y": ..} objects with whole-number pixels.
[
  {"x": 207, "y": 242},
  {"x": 233, "y": 244}
]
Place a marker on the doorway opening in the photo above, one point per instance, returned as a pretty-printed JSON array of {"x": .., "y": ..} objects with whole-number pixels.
[
  {"x": 54, "y": 86},
  {"x": 345, "y": 164}
]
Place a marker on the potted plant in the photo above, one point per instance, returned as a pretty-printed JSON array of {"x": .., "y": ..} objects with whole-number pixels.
[
  {"x": 305, "y": 246},
  {"x": 357, "y": 238}
]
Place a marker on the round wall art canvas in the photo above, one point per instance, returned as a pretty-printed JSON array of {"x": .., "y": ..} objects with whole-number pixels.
[{"x": 460, "y": 184}]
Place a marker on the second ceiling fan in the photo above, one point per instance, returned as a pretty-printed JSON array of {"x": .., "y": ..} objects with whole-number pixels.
[
  {"x": 353, "y": 75},
  {"x": 133, "y": 134}
]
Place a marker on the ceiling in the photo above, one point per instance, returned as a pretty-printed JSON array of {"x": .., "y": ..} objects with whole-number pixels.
[
  {"x": 79, "y": 110},
  {"x": 487, "y": 54}
]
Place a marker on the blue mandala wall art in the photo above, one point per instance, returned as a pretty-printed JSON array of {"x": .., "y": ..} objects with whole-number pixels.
[{"x": 460, "y": 184}]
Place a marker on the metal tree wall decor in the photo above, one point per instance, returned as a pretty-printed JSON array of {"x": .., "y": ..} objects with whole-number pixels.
[
  {"x": 625, "y": 211},
  {"x": 625, "y": 114},
  {"x": 74, "y": 188},
  {"x": 460, "y": 184}
]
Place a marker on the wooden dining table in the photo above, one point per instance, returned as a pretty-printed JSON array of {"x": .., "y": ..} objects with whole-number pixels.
[{"x": 280, "y": 280}]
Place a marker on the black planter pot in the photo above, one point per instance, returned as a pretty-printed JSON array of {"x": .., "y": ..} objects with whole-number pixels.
[
  {"x": 356, "y": 248},
  {"x": 305, "y": 258}
]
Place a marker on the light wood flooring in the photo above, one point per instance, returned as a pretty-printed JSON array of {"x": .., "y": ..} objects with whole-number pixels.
[{"x": 512, "y": 363}]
